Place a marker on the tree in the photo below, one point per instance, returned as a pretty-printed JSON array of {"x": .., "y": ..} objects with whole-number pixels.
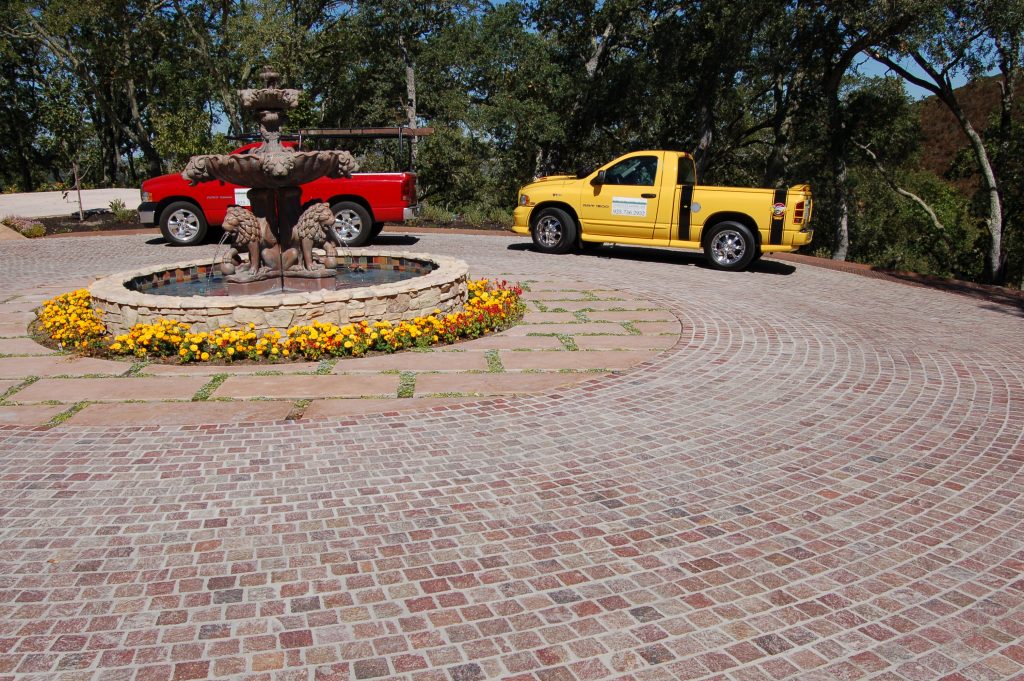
[{"x": 968, "y": 38}]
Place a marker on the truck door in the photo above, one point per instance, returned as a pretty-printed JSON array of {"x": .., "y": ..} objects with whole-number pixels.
[{"x": 622, "y": 200}]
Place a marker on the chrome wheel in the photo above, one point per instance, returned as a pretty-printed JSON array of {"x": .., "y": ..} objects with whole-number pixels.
[
  {"x": 183, "y": 225},
  {"x": 549, "y": 231},
  {"x": 348, "y": 225},
  {"x": 728, "y": 247}
]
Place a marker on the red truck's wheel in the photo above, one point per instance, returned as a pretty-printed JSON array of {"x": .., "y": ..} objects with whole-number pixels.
[
  {"x": 352, "y": 223},
  {"x": 183, "y": 224}
]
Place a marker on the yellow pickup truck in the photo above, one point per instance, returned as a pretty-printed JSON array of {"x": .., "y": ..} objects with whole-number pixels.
[{"x": 651, "y": 198}]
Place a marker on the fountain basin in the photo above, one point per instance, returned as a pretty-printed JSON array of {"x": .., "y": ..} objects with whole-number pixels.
[
  {"x": 270, "y": 170},
  {"x": 443, "y": 287}
]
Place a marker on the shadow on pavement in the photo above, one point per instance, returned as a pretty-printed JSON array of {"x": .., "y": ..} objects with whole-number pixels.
[
  {"x": 395, "y": 240},
  {"x": 663, "y": 255},
  {"x": 1002, "y": 300}
]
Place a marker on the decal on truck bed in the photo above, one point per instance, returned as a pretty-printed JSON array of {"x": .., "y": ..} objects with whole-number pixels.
[
  {"x": 622, "y": 205},
  {"x": 778, "y": 216}
]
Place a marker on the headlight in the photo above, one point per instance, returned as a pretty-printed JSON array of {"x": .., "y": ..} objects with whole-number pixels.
[{"x": 524, "y": 200}]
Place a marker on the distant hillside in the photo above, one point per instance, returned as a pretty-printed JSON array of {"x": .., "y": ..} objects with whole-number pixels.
[{"x": 942, "y": 138}]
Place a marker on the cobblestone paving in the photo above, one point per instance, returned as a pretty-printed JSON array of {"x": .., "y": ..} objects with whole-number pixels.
[{"x": 819, "y": 480}]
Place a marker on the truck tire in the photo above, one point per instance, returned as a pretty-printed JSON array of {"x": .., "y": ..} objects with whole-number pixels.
[
  {"x": 729, "y": 246},
  {"x": 352, "y": 223},
  {"x": 378, "y": 227},
  {"x": 553, "y": 231},
  {"x": 183, "y": 224}
]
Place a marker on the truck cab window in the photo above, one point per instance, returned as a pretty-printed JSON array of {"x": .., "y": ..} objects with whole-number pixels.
[{"x": 638, "y": 171}]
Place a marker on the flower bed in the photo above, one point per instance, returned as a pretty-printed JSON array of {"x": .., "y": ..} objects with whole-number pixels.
[{"x": 71, "y": 321}]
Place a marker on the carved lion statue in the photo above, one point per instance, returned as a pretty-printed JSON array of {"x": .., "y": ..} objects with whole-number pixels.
[
  {"x": 247, "y": 233},
  {"x": 316, "y": 227}
]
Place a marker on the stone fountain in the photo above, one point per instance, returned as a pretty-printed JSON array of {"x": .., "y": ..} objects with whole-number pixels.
[
  {"x": 272, "y": 278},
  {"x": 280, "y": 256}
]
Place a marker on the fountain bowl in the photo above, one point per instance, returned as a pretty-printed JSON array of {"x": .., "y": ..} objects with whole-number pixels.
[
  {"x": 270, "y": 170},
  {"x": 443, "y": 286}
]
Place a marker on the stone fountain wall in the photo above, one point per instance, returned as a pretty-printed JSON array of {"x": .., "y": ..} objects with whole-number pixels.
[{"x": 444, "y": 288}]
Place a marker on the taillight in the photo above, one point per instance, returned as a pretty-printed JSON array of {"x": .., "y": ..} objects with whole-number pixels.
[
  {"x": 798, "y": 213},
  {"x": 409, "y": 189}
]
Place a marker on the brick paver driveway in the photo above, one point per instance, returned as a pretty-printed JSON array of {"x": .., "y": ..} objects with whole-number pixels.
[{"x": 820, "y": 479}]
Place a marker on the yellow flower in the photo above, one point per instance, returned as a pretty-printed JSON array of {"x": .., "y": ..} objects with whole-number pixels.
[{"x": 205, "y": 356}]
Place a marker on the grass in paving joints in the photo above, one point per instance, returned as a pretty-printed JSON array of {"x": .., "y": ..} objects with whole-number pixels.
[
  {"x": 581, "y": 315},
  {"x": 567, "y": 342},
  {"x": 631, "y": 328},
  {"x": 326, "y": 366},
  {"x": 137, "y": 367},
  {"x": 66, "y": 414},
  {"x": 406, "y": 384},
  {"x": 494, "y": 364},
  {"x": 541, "y": 307},
  {"x": 204, "y": 393},
  {"x": 15, "y": 388},
  {"x": 297, "y": 410}
]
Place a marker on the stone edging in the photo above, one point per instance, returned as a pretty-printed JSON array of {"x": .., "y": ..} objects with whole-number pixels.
[{"x": 445, "y": 288}]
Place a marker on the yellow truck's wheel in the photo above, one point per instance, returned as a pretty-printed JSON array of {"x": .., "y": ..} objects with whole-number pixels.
[
  {"x": 553, "y": 231},
  {"x": 729, "y": 246}
]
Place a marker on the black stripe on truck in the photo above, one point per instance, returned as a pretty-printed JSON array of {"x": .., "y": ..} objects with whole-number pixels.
[
  {"x": 775, "y": 235},
  {"x": 685, "y": 198}
]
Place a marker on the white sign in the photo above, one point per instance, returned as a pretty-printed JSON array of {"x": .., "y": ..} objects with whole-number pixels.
[
  {"x": 241, "y": 197},
  {"x": 636, "y": 208}
]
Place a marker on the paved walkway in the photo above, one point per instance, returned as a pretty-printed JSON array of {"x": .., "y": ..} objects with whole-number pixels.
[
  {"x": 784, "y": 473},
  {"x": 46, "y": 204}
]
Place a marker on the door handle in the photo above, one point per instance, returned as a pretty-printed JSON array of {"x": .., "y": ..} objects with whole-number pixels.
[{"x": 648, "y": 196}]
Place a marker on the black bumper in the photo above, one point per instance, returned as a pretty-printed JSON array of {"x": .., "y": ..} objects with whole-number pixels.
[{"x": 147, "y": 213}]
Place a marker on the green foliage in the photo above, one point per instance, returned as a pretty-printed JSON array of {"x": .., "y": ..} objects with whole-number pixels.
[
  {"x": 181, "y": 134},
  {"x": 122, "y": 213},
  {"x": 893, "y": 232}
]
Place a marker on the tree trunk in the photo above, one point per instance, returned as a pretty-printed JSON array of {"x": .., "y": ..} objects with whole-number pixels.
[
  {"x": 782, "y": 128},
  {"x": 78, "y": 190},
  {"x": 842, "y": 212},
  {"x": 410, "y": 101},
  {"x": 995, "y": 262},
  {"x": 702, "y": 152},
  {"x": 21, "y": 148}
]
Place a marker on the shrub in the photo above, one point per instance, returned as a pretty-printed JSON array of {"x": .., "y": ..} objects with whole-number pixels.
[
  {"x": 25, "y": 226},
  {"x": 432, "y": 214},
  {"x": 122, "y": 213}
]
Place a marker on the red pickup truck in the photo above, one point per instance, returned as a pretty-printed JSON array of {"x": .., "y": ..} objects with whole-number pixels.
[{"x": 361, "y": 203}]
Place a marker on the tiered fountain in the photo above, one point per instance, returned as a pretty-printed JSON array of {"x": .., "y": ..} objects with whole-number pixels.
[{"x": 272, "y": 276}]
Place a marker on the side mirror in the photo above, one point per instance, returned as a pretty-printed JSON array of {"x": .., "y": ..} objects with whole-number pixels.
[{"x": 598, "y": 179}]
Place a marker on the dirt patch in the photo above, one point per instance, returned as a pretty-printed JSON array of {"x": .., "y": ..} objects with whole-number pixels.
[{"x": 95, "y": 221}]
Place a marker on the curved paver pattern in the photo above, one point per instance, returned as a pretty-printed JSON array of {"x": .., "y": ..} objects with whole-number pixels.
[{"x": 820, "y": 479}]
